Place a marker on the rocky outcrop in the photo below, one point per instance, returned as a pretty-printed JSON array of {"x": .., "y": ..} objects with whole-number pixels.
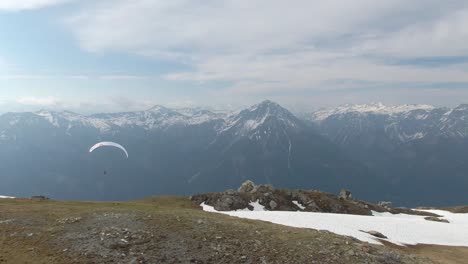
[{"x": 275, "y": 199}]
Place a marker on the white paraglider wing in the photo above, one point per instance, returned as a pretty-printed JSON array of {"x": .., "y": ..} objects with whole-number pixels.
[{"x": 108, "y": 144}]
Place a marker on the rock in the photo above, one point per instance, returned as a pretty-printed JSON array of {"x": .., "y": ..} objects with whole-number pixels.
[
  {"x": 385, "y": 204},
  {"x": 69, "y": 220},
  {"x": 264, "y": 188},
  {"x": 336, "y": 208},
  {"x": 312, "y": 207},
  {"x": 273, "y": 205},
  {"x": 230, "y": 192},
  {"x": 345, "y": 194},
  {"x": 6, "y": 221},
  {"x": 375, "y": 233},
  {"x": 366, "y": 248},
  {"x": 436, "y": 219},
  {"x": 390, "y": 257},
  {"x": 40, "y": 197},
  {"x": 247, "y": 186},
  {"x": 230, "y": 203},
  {"x": 350, "y": 253}
]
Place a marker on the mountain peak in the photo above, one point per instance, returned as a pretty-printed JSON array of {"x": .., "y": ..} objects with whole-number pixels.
[
  {"x": 268, "y": 107},
  {"x": 266, "y": 103},
  {"x": 262, "y": 115}
]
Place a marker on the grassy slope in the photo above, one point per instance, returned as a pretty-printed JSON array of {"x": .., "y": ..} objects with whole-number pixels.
[{"x": 166, "y": 230}]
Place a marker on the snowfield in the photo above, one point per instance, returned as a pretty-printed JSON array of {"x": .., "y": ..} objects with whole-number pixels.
[
  {"x": 399, "y": 228},
  {"x": 6, "y": 197}
]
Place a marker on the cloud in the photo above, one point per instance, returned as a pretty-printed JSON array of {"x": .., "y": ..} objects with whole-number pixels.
[
  {"x": 181, "y": 27},
  {"x": 264, "y": 47},
  {"x": 48, "y": 101},
  {"x": 444, "y": 36},
  {"x": 17, "y": 5}
]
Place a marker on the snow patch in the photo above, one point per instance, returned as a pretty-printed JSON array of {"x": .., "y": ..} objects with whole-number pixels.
[
  {"x": 299, "y": 205},
  {"x": 399, "y": 228},
  {"x": 49, "y": 117},
  {"x": 257, "y": 206},
  {"x": 6, "y": 197}
]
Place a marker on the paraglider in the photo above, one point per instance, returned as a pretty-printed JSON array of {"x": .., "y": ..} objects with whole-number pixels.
[{"x": 108, "y": 144}]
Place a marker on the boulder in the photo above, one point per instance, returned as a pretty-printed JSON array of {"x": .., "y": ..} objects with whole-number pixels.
[
  {"x": 230, "y": 203},
  {"x": 436, "y": 219},
  {"x": 375, "y": 233},
  {"x": 345, "y": 194},
  {"x": 247, "y": 186},
  {"x": 273, "y": 205}
]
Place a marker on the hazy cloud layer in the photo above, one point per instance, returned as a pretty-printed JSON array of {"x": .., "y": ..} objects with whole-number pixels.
[
  {"x": 39, "y": 101},
  {"x": 80, "y": 105}
]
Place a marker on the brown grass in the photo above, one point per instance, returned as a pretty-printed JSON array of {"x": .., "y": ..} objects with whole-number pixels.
[
  {"x": 437, "y": 253},
  {"x": 183, "y": 233}
]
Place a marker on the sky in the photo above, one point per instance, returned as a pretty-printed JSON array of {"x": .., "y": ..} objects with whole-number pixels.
[{"x": 120, "y": 55}]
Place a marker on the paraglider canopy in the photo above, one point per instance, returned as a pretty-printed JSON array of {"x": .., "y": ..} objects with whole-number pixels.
[{"x": 108, "y": 144}]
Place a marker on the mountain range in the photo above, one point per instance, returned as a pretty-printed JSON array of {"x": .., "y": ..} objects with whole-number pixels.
[
  {"x": 419, "y": 150},
  {"x": 412, "y": 155}
]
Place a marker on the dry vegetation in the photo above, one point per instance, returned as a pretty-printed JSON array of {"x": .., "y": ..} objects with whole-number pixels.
[{"x": 168, "y": 230}]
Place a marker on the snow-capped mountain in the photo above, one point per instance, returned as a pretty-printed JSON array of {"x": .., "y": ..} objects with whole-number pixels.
[
  {"x": 402, "y": 123},
  {"x": 375, "y": 150},
  {"x": 248, "y": 122},
  {"x": 172, "y": 151},
  {"x": 363, "y": 109},
  {"x": 416, "y": 148},
  {"x": 260, "y": 121},
  {"x": 157, "y": 117}
]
